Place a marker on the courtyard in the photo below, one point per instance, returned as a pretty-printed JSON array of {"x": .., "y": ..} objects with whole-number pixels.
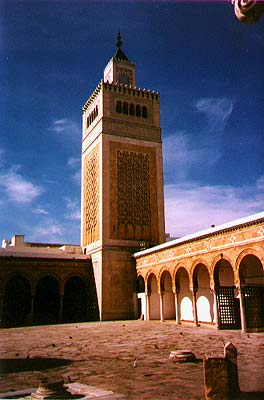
[{"x": 127, "y": 357}]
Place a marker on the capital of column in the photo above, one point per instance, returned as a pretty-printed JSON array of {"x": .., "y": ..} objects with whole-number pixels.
[
  {"x": 193, "y": 290},
  {"x": 213, "y": 289}
]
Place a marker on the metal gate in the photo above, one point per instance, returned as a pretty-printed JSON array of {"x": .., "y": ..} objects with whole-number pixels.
[
  {"x": 254, "y": 306},
  {"x": 228, "y": 308}
]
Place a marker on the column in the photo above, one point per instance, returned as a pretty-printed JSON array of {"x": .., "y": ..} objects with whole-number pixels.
[
  {"x": 242, "y": 310},
  {"x": 145, "y": 310},
  {"x": 195, "y": 315},
  {"x": 61, "y": 305},
  {"x": 216, "y": 310},
  {"x": 177, "y": 308},
  {"x": 161, "y": 307},
  {"x": 31, "y": 314},
  {"x": 148, "y": 306}
]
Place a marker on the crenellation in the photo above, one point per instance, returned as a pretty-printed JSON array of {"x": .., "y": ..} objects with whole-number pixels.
[
  {"x": 125, "y": 62},
  {"x": 92, "y": 97},
  {"x": 128, "y": 89}
]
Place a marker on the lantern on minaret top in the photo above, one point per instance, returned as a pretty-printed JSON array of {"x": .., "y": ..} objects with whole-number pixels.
[{"x": 120, "y": 70}]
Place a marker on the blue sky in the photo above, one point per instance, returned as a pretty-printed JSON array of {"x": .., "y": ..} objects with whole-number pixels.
[{"x": 207, "y": 67}]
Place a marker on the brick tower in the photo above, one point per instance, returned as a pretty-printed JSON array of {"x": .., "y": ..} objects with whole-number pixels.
[{"x": 122, "y": 182}]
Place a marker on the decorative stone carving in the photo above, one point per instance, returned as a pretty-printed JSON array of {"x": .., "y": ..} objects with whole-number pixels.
[
  {"x": 91, "y": 198},
  {"x": 232, "y": 239},
  {"x": 133, "y": 188},
  {"x": 188, "y": 249},
  {"x": 261, "y": 231}
]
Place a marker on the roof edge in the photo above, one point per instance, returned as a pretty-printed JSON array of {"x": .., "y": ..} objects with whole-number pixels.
[{"x": 201, "y": 234}]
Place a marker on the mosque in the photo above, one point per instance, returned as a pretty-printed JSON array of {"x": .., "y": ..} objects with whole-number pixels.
[{"x": 124, "y": 268}]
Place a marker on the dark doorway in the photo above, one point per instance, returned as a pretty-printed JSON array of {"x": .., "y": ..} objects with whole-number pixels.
[
  {"x": 17, "y": 301},
  {"x": 254, "y": 306},
  {"x": 47, "y": 301},
  {"x": 75, "y": 300},
  {"x": 228, "y": 304},
  {"x": 252, "y": 289}
]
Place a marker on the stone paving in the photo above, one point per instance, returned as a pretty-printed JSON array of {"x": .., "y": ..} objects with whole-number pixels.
[{"x": 129, "y": 358}]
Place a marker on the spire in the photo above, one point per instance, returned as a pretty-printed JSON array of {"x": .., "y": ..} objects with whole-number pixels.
[
  {"x": 118, "y": 39},
  {"x": 119, "y": 52}
]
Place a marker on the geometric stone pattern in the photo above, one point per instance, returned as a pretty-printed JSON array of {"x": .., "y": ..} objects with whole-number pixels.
[
  {"x": 133, "y": 192},
  {"x": 91, "y": 199}
]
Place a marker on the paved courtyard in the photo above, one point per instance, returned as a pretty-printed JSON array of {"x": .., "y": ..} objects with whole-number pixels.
[{"x": 127, "y": 357}]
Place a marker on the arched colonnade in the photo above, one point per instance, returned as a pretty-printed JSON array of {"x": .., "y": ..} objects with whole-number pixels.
[
  {"x": 46, "y": 299},
  {"x": 227, "y": 293}
]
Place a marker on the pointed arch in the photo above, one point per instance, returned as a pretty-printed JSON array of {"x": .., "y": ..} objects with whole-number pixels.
[
  {"x": 184, "y": 295},
  {"x": 251, "y": 276},
  {"x": 140, "y": 284},
  {"x": 203, "y": 294},
  {"x": 75, "y": 300},
  {"x": 47, "y": 300},
  {"x": 168, "y": 299},
  {"x": 199, "y": 261},
  {"x": 17, "y": 300},
  {"x": 154, "y": 302},
  {"x": 249, "y": 251}
]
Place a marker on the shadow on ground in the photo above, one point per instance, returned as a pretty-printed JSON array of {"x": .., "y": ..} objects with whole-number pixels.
[{"x": 9, "y": 365}]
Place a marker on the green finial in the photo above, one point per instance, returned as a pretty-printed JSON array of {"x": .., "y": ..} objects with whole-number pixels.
[{"x": 119, "y": 41}]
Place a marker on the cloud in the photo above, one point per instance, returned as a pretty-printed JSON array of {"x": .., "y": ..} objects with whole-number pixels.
[
  {"x": 76, "y": 177},
  {"x": 73, "y": 162},
  {"x": 181, "y": 155},
  {"x": 66, "y": 127},
  {"x": 190, "y": 207},
  {"x": 50, "y": 230},
  {"x": 73, "y": 210},
  {"x": 260, "y": 183},
  {"x": 1, "y": 157},
  {"x": 40, "y": 211},
  {"x": 216, "y": 110},
  {"x": 194, "y": 151},
  {"x": 17, "y": 188}
]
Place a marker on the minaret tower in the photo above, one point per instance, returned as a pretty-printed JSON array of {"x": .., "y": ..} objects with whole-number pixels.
[{"x": 122, "y": 182}]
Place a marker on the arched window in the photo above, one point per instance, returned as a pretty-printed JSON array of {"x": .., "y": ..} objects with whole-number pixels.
[
  {"x": 125, "y": 108},
  {"x": 131, "y": 109},
  {"x": 118, "y": 107},
  {"x": 144, "y": 112},
  {"x": 87, "y": 122},
  {"x": 138, "y": 111}
]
